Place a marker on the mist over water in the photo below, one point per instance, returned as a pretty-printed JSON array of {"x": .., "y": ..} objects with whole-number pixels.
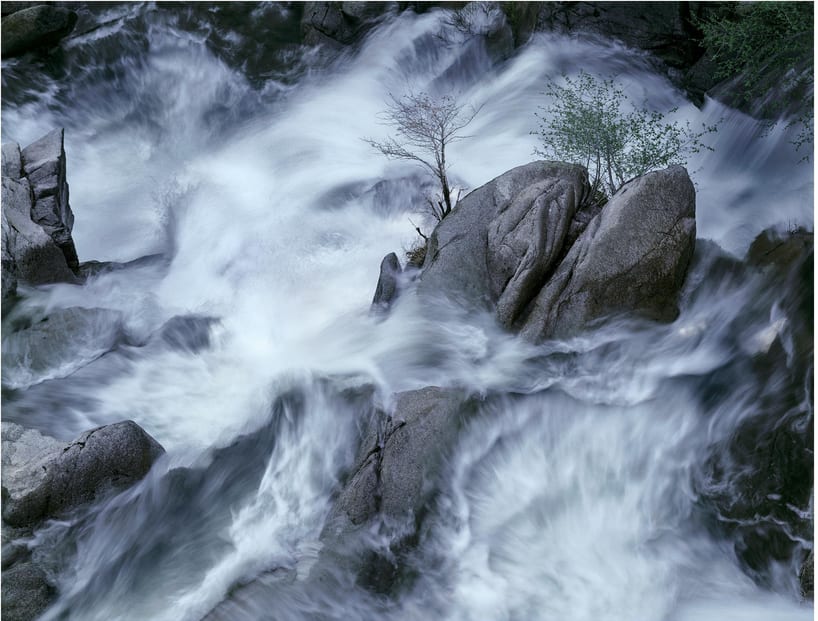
[{"x": 570, "y": 495}]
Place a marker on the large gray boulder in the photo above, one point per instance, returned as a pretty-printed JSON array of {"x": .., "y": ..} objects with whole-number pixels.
[
  {"x": 45, "y": 167},
  {"x": 632, "y": 258},
  {"x": 35, "y": 27},
  {"x": 40, "y": 484},
  {"x": 498, "y": 245}
]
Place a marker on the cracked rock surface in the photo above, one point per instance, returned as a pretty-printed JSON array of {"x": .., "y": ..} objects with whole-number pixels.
[
  {"x": 530, "y": 247},
  {"x": 632, "y": 258},
  {"x": 45, "y": 478},
  {"x": 400, "y": 456},
  {"x": 496, "y": 247}
]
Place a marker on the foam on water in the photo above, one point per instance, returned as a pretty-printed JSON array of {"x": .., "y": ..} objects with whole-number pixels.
[{"x": 573, "y": 504}]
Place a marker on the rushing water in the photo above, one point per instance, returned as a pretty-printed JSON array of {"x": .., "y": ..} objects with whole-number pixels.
[{"x": 574, "y": 494}]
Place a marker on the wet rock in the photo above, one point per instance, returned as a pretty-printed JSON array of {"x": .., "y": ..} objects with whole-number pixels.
[
  {"x": 29, "y": 253},
  {"x": 401, "y": 457},
  {"x": 632, "y": 258},
  {"x": 387, "y": 289},
  {"x": 187, "y": 333},
  {"x": 52, "y": 482},
  {"x": 59, "y": 343},
  {"x": 26, "y": 592},
  {"x": 756, "y": 484},
  {"x": 339, "y": 23},
  {"x": 496, "y": 248},
  {"x": 779, "y": 250},
  {"x": 35, "y": 27},
  {"x": 44, "y": 165}
]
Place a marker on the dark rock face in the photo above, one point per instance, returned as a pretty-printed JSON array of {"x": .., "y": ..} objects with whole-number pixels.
[
  {"x": 339, "y": 23},
  {"x": 496, "y": 247},
  {"x": 632, "y": 258},
  {"x": 387, "y": 289},
  {"x": 756, "y": 484},
  {"x": 51, "y": 483},
  {"x": 35, "y": 27},
  {"x": 26, "y": 592}
]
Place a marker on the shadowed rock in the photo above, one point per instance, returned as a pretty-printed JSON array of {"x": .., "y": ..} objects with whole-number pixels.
[{"x": 35, "y": 27}]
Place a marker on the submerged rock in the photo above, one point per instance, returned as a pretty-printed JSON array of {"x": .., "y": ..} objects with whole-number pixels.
[
  {"x": 43, "y": 480},
  {"x": 59, "y": 343},
  {"x": 35, "y": 27},
  {"x": 632, "y": 258}
]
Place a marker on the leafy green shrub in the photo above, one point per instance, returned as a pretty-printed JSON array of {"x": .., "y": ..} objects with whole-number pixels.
[
  {"x": 767, "y": 43},
  {"x": 588, "y": 123}
]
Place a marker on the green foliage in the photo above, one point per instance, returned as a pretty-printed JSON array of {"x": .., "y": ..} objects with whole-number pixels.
[
  {"x": 588, "y": 123},
  {"x": 770, "y": 44}
]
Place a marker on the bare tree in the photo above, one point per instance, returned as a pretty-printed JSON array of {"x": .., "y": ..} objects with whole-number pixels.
[{"x": 424, "y": 127}]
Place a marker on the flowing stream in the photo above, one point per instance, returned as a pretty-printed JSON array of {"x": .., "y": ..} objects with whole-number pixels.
[{"x": 574, "y": 493}]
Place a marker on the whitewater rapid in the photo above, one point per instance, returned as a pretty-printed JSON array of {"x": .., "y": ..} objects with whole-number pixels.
[{"x": 569, "y": 497}]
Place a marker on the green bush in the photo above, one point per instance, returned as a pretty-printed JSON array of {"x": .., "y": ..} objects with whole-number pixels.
[
  {"x": 588, "y": 122},
  {"x": 768, "y": 44}
]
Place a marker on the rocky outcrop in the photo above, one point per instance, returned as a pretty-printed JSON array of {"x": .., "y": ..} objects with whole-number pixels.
[
  {"x": 37, "y": 218},
  {"x": 529, "y": 247},
  {"x": 44, "y": 166},
  {"x": 495, "y": 249},
  {"x": 632, "y": 259},
  {"x": 386, "y": 290},
  {"x": 35, "y": 27},
  {"x": 43, "y": 479}
]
